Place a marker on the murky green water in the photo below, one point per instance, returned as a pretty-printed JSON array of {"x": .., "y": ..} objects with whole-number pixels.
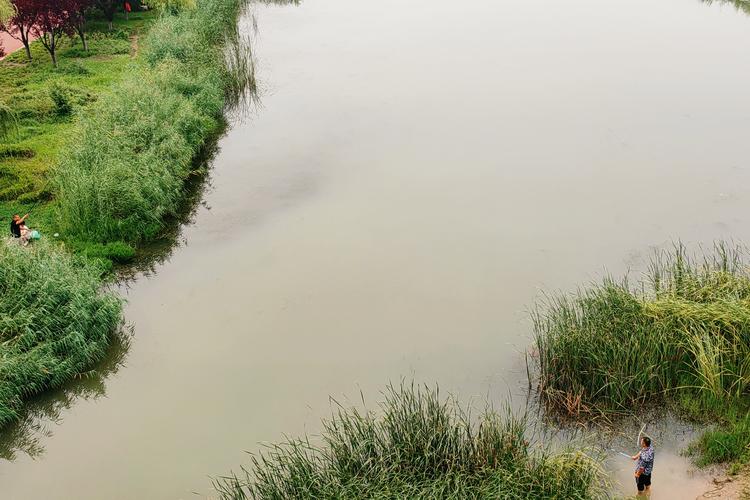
[{"x": 416, "y": 174}]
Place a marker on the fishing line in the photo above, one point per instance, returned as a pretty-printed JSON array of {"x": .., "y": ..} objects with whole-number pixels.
[{"x": 638, "y": 442}]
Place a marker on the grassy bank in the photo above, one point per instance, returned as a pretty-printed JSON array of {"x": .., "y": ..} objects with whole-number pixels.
[
  {"x": 417, "y": 446},
  {"x": 106, "y": 142},
  {"x": 681, "y": 336},
  {"x": 54, "y": 322},
  {"x": 46, "y": 100},
  {"x": 126, "y": 172}
]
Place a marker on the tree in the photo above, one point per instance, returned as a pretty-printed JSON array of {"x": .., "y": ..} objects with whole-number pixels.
[
  {"x": 108, "y": 7},
  {"x": 19, "y": 26},
  {"x": 54, "y": 19},
  {"x": 78, "y": 20}
]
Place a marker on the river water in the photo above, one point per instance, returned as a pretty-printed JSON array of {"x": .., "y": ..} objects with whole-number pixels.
[{"x": 415, "y": 174}]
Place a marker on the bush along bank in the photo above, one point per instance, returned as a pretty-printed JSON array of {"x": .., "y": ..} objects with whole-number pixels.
[
  {"x": 419, "y": 446},
  {"x": 127, "y": 171},
  {"x": 681, "y": 336},
  {"x": 54, "y": 322},
  {"x": 115, "y": 184}
]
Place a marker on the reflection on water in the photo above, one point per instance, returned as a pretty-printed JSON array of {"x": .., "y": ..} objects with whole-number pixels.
[
  {"x": 157, "y": 252},
  {"x": 740, "y": 5},
  {"x": 44, "y": 412}
]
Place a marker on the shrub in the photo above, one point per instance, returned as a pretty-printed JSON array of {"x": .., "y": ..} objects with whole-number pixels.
[{"x": 61, "y": 97}]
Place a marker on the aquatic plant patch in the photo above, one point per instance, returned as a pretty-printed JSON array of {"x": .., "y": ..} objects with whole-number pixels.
[
  {"x": 685, "y": 328},
  {"x": 680, "y": 336},
  {"x": 417, "y": 446},
  {"x": 55, "y": 323}
]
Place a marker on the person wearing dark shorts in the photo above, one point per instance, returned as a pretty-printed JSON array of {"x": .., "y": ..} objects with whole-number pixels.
[
  {"x": 644, "y": 466},
  {"x": 15, "y": 225}
]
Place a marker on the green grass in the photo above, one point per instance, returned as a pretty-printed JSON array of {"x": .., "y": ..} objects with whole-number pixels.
[
  {"x": 684, "y": 329},
  {"x": 680, "y": 337},
  {"x": 729, "y": 443},
  {"x": 417, "y": 446},
  {"x": 54, "y": 322},
  {"x": 126, "y": 172},
  {"x": 28, "y": 89},
  {"x": 99, "y": 151}
]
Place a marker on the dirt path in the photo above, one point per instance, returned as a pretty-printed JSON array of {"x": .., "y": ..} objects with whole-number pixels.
[
  {"x": 723, "y": 486},
  {"x": 134, "y": 46}
]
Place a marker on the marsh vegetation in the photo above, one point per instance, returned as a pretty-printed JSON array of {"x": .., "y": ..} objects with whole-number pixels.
[
  {"x": 680, "y": 335},
  {"x": 418, "y": 445},
  {"x": 55, "y": 323},
  {"x": 120, "y": 151}
]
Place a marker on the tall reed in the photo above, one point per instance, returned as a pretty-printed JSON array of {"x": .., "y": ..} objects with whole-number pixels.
[
  {"x": 684, "y": 329},
  {"x": 417, "y": 446},
  {"x": 54, "y": 322},
  {"x": 127, "y": 171}
]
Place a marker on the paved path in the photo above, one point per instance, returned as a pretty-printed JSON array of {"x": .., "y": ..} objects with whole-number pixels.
[{"x": 9, "y": 43}]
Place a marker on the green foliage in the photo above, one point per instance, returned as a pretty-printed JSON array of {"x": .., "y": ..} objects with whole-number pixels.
[
  {"x": 62, "y": 99},
  {"x": 54, "y": 323},
  {"x": 740, "y": 5},
  {"x": 8, "y": 122},
  {"x": 25, "y": 90},
  {"x": 685, "y": 329},
  {"x": 729, "y": 443},
  {"x": 6, "y": 11},
  {"x": 173, "y": 6},
  {"x": 115, "y": 251},
  {"x": 419, "y": 447},
  {"x": 126, "y": 172}
]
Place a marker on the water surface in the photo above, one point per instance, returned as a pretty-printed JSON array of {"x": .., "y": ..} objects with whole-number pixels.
[{"x": 417, "y": 173}]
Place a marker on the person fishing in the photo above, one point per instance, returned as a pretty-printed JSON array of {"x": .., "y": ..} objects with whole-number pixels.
[
  {"x": 18, "y": 229},
  {"x": 644, "y": 466},
  {"x": 16, "y": 223}
]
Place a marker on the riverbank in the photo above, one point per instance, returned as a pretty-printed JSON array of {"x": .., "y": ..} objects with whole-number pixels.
[
  {"x": 678, "y": 337},
  {"x": 102, "y": 148}
]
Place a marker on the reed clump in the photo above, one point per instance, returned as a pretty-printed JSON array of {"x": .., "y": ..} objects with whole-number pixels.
[
  {"x": 54, "y": 322},
  {"x": 417, "y": 446},
  {"x": 681, "y": 334},
  {"x": 127, "y": 171}
]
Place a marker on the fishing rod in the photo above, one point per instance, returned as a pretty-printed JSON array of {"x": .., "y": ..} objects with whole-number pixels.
[{"x": 638, "y": 443}]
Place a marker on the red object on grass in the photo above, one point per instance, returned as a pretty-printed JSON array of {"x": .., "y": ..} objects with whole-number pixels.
[{"x": 127, "y": 6}]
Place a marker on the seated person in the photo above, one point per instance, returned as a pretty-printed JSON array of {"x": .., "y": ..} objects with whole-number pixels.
[{"x": 19, "y": 229}]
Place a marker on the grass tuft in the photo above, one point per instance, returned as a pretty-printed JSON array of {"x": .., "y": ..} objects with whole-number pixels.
[{"x": 417, "y": 446}]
